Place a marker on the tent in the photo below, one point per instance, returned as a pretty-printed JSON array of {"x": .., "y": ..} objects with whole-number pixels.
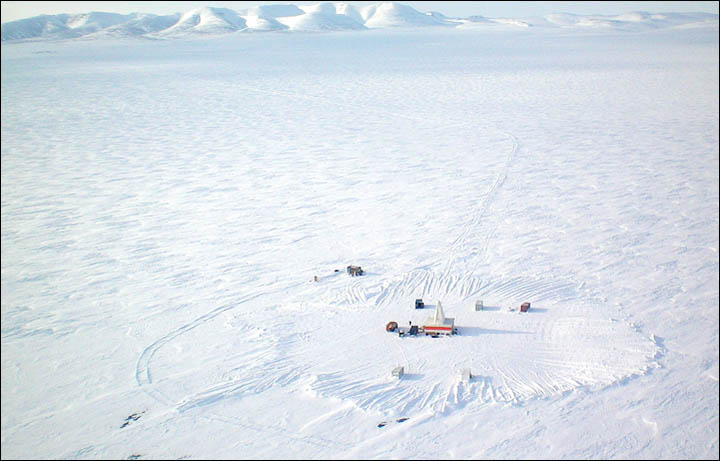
[{"x": 438, "y": 323}]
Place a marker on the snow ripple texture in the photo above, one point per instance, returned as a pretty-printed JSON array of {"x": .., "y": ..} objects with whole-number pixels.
[
  {"x": 166, "y": 206},
  {"x": 547, "y": 355}
]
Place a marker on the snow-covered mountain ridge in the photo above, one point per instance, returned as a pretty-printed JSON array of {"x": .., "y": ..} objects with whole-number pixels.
[{"x": 318, "y": 17}]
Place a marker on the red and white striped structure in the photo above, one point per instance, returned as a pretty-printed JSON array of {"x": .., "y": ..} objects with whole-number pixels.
[{"x": 438, "y": 324}]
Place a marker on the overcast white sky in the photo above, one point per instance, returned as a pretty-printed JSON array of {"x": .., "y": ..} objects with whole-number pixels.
[{"x": 13, "y": 10}]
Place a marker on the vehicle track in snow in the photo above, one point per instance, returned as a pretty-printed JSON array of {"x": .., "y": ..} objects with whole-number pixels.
[
  {"x": 502, "y": 374},
  {"x": 314, "y": 441},
  {"x": 440, "y": 276},
  {"x": 143, "y": 373},
  {"x": 459, "y": 243}
]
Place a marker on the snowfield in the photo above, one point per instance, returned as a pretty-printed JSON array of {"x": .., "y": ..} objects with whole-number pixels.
[{"x": 167, "y": 204}]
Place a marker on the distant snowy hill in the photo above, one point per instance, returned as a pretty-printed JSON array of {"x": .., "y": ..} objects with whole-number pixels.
[
  {"x": 206, "y": 20},
  {"x": 318, "y": 17},
  {"x": 634, "y": 21},
  {"x": 263, "y": 18},
  {"x": 392, "y": 14},
  {"x": 324, "y": 16},
  {"x": 61, "y": 25},
  {"x": 141, "y": 25}
]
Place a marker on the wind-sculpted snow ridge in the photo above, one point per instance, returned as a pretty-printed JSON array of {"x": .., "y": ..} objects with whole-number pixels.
[{"x": 320, "y": 17}]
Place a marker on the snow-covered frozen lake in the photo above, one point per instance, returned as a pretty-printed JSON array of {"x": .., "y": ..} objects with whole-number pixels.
[{"x": 166, "y": 206}]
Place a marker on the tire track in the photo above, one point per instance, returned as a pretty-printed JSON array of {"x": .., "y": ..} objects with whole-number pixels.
[
  {"x": 143, "y": 375},
  {"x": 425, "y": 282},
  {"x": 461, "y": 239},
  {"x": 282, "y": 433},
  {"x": 446, "y": 280}
]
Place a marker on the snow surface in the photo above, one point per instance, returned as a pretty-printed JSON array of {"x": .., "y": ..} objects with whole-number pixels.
[{"x": 166, "y": 206}]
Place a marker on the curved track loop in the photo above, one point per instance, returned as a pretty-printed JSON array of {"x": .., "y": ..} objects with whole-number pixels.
[
  {"x": 554, "y": 366},
  {"x": 143, "y": 373}
]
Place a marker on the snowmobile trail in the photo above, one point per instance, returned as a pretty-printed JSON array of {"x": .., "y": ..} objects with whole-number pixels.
[
  {"x": 143, "y": 375},
  {"x": 459, "y": 243},
  {"x": 426, "y": 279},
  {"x": 559, "y": 362}
]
